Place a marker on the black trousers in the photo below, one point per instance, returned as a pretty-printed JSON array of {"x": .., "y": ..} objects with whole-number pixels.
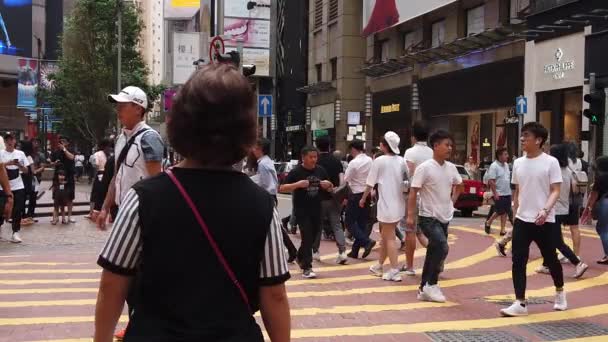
[
  {"x": 32, "y": 199},
  {"x": 310, "y": 226},
  {"x": 558, "y": 241},
  {"x": 523, "y": 235},
  {"x": 18, "y": 205}
]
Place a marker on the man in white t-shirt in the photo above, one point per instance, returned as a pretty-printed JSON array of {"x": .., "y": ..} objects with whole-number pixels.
[
  {"x": 439, "y": 185},
  {"x": 537, "y": 178},
  {"x": 388, "y": 171},
  {"x": 414, "y": 157},
  {"x": 15, "y": 163}
]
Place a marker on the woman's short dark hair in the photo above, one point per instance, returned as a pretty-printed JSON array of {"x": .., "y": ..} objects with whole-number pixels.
[
  {"x": 105, "y": 143},
  {"x": 560, "y": 152},
  {"x": 499, "y": 152},
  {"x": 438, "y": 136},
  {"x": 537, "y": 130},
  {"x": 27, "y": 148},
  {"x": 213, "y": 116}
]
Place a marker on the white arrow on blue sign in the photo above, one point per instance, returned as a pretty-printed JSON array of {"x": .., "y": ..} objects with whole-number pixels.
[
  {"x": 521, "y": 105},
  {"x": 265, "y": 106}
]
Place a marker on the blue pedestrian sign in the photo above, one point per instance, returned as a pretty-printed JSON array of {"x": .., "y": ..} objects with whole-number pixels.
[
  {"x": 265, "y": 106},
  {"x": 521, "y": 105}
]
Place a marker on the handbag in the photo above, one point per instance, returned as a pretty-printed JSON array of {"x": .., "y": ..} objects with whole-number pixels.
[{"x": 210, "y": 238}]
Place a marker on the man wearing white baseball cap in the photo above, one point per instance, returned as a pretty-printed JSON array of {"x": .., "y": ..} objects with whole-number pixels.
[
  {"x": 388, "y": 171},
  {"x": 138, "y": 151}
]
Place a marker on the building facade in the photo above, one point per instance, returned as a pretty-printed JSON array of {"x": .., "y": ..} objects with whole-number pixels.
[
  {"x": 335, "y": 89},
  {"x": 457, "y": 64},
  {"x": 152, "y": 38}
]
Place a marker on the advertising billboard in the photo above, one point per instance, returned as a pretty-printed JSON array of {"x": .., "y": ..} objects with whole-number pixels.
[
  {"x": 382, "y": 14},
  {"x": 185, "y": 53},
  {"x": 27, "y": 86},
  {"x": 16, "y": 27},
  {"x": 249, "y": 22},
  {"x": 181, "y": 9}
]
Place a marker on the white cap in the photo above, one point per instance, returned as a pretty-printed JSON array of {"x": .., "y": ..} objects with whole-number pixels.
[
  {"x": 131, "y": 94},
  {"x": 392, "y": 139}
]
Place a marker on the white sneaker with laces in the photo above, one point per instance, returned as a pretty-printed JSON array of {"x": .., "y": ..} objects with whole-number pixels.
[
  {"x": 341, "y": 259},
  {"x": 561, "y": 304},
  {"x": 431, "y": 293},
  {"x": 309, "y": 274},
  {"x": 562, "y": 259},
  {"x": 515, "y": 310},
  {"x": 376, "y": 270},
  {"x": 542, "y": 269},
  {"x": 392, "y": 275},
  {"x": 16, "y": 238},
  {"x": 316, "y": 256},
  {"x": 581, "y": 268}
]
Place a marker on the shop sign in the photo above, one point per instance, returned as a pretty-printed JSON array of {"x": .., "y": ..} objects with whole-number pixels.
[
  {"x": 295, "y": 128},
  {"x": 321, "y": 133},
  {"x": 391, "y": 108},
  {"x": 560, "y": 67}
]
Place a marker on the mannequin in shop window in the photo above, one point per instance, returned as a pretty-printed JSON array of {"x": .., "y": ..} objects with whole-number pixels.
[{"x": 472, "y": 167}]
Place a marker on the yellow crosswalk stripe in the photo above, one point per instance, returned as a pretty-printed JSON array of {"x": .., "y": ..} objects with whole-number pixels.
[
  {"x": 30, "y": 263},
  {"x": 602, "y": 338},
  {"x": 574, "y": 286},
  {"x": 35, "y": 303},
  {"x": 49, "y": 281},
  {"x": 396, "y": 289},
  {"x": 51, "y": 271},
  {"x": 461, "y": 263},
  {"x": 391, "y": 329}
]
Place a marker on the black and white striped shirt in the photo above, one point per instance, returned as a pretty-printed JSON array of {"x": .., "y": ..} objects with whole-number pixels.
[{"x": 122, "y": 251}]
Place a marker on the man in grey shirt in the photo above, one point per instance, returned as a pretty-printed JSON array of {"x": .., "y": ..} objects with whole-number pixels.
[
  {"x": 266, "y": 177},
  {"x": 499, "y": 180}
]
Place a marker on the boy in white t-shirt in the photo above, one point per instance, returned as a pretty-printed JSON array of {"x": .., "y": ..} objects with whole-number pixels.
[
  {"x": 537, "y": 178},
  {"x": 388, "y": 171},
  {"x": 439, "y": 185}
]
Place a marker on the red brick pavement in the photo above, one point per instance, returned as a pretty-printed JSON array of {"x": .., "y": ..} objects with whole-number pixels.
[{"x": 361, "y": 312}]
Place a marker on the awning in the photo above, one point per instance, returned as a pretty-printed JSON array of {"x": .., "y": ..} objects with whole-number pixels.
[
  {"x": 486, "y": 40},
  {"x": 316, "y": 88}
]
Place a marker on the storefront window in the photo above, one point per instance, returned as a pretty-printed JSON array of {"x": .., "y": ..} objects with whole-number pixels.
[{"x": 560, "y": 112}]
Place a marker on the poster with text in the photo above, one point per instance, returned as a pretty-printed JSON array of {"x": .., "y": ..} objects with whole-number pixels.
[{"x": 258, "y": 57}]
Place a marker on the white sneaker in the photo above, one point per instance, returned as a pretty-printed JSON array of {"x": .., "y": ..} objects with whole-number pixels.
[
  {"x": 408, "y": 271},
  {"x": 515, "y": 310},
  {"x": 542, "y": 269},
  {"x": 581, "y": 268},
  {"x": 376, "y": 270},
  {"x": 341, "y": 258},
  {"x": 561, "y": 304},
  {"x": 16, "y": 238},
  {"x": 309, "y": 274},
  {"x": 431, "y": 293},
  {"x": 562, "y": 259},
  {"x": 392, "y": 275},
  {"x": 316, "y": 256}
]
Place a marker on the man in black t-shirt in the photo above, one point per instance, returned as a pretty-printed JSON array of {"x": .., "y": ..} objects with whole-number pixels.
[
  {"x": 330, "y": 208},
  {"x": 63, "y": 158},
  {"x": 307, "y": 182}
]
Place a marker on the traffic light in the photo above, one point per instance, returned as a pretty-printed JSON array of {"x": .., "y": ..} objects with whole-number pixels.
[{"x": 597, "y": 103}]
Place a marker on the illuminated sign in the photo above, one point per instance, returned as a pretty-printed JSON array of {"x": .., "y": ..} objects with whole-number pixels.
[{"x": 395, "y": 107}]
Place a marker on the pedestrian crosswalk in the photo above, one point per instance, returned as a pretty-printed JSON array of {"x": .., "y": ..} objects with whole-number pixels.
[{"x": 54, "y": 299}]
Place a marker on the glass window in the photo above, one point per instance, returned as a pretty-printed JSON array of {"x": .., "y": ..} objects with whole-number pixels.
[
  {"x": 334, "y": 68},
  {"x": 319, "y": 69},
  {"x": 476, "y": 20},
  {"x": 409, "y": 40},
  {"x": 438, "y": 33},
  {"x": 385, "y": 51}
]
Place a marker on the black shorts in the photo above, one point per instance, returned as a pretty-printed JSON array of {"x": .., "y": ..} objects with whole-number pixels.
[
  {"x": 502, "y": 205},
  {"x": 70, "y": 192},
  {"x": 571, "y": 219}
]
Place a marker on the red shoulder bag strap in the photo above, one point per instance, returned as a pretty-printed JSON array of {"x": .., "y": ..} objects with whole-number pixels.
[{"x": 212, "y": 242}]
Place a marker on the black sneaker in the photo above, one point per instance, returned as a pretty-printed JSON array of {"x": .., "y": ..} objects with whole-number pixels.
[
  {"x": 500, "y": 249},
  {"x": 353, "y": 255},
  {"x": 487, "y": 227},
  {"x": 368, "y": 249},
  {"x": 292, "y": 258},
  {"x": 294, "y": 230}
]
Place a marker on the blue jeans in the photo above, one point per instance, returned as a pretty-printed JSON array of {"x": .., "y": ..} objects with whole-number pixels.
[
  {"x": 356, "y": 221},
  {"x": 601, "y": 226},
  {"x": 436, "y": 251}
]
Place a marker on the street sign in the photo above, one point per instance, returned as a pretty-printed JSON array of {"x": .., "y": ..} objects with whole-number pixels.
[
  {"x": 216, "y": 47},
  {"x": 521, "y": 105},
  {"x": 295, "y": 128},
  {"x": 265, "y": 106},
  {"x": 321, "y": 133}
]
